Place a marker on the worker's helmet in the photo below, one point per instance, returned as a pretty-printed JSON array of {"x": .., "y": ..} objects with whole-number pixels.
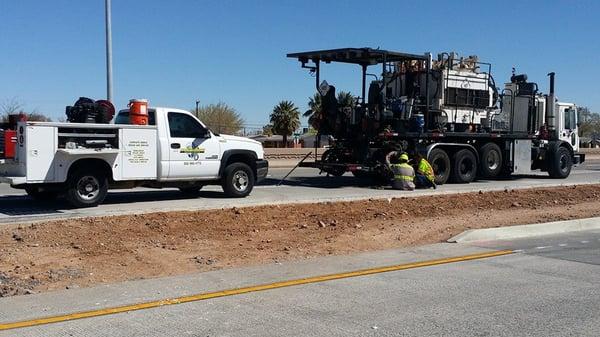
[{"x": 403, "y": 157}]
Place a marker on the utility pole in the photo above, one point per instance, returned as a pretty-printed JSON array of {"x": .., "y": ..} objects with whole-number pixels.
[
  {"x": 109, "y": 77},
  {"x": 197, "y": 103}
]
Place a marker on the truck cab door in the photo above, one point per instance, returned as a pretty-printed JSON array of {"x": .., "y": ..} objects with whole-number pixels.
[
  {"x": 194, "y": 152},
  {"x": 568, "y": 130}
]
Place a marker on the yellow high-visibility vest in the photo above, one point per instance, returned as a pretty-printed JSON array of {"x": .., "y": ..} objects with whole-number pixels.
[
  {"x": 426, "y": 170},
  {"x": 401, "y": 172}
]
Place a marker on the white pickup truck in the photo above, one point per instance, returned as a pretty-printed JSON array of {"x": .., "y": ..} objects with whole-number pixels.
[{"x": 82, "y": 161}]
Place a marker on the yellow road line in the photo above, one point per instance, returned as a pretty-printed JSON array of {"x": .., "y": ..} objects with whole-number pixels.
[{"x": 244, "y": 290}]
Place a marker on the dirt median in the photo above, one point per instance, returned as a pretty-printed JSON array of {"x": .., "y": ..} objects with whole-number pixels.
[{"x": 83, "y": 252}]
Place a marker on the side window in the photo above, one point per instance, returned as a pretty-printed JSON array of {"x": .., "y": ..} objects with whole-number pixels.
[
  {"x": 184, "y": 126},
  {"x": 569, "y": 115}
]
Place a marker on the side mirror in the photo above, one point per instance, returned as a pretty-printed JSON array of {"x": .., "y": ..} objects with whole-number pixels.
[{"x": 205, "y": 134}]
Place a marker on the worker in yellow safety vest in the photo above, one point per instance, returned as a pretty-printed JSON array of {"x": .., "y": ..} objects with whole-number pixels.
[
  {"x": 425, "y": 177},
  {"x": 404, "y": 174}
]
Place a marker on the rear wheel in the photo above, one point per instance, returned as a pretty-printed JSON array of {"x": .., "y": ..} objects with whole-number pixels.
[
  {"x": 464, "y": 166},
  {"x": 40, "y": 195},
  {"x": 86, "y": 188},
  {"x": 440, "y": 162},
  {"x": 238, "y": 180},
  {"x": 560, "y": 163},
  {"x": 490, "y": 164}
]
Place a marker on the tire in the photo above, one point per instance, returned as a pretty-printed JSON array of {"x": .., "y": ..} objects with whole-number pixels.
[
  {"x": 440, "y": 162},
  {"x": 191, "y": 191},
  {"x": 238, "y": 180},
  {"x": 464, "y": 167},
  {"x": 560, "y": 163},
  {"x": 38, "y": 195},
  {"x": 330, "y": 157},
  {"x": 490, "y": 163},
  {"x": 86, "y": 188}
]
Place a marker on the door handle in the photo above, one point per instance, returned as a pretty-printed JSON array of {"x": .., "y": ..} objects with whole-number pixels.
[{"x": 175, "y": 145}]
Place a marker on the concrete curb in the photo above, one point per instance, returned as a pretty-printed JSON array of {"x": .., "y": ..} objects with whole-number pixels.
[{"x": 513, "y": 232}]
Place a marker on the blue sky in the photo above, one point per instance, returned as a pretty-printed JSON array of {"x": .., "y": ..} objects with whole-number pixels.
[{"x": 174, "y": 52}]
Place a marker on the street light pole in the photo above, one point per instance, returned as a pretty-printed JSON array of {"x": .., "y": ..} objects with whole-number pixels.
[
  {"x": 197, "y": 102},
  {"x": 109, "y": 75}
]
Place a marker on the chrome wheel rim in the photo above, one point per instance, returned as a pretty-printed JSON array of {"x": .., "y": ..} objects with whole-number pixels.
[
  {"x": 493, "y": 160},
  {"x": 88, "y": 188},
  {"x": 240, "y": 181}
]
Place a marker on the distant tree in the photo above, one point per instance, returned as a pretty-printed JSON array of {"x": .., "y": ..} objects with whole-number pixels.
[
  {"x": 10, "y": 106},
  {"x": 589, "y": 122},
  {"x": 220, "y": 118},
  {"x": 13, "y": 106},
  {"x": 267, "y": 130},
  {"x": 584, "y": 114},
  {"x": 315, "y": 110},
  {"x": 37, "y": 117},
  {"x": 285, "y": 119}
]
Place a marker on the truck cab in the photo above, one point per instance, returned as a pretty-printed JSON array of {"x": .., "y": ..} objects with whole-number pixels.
[
  {"x": 189, "y": 150},
  {"x": 82, "y": 161}
]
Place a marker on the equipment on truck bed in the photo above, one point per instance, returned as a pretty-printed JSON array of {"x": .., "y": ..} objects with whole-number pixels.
[
  {"x": 448, "y": 109},
  {"x": 86, "y": 110}
]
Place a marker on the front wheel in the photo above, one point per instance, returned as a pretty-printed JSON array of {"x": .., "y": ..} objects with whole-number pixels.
[
  {"x": 560, "y": 163},
  {"x": 86, "y": 189},
  {"x": 238, "y": 180}
]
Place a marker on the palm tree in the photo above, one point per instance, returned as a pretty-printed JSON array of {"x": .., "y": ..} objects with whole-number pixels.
[
  {"x": 346, "y": 100},
  {"x": 285, "y": 119},
  {"x": 314, "y": 111}
]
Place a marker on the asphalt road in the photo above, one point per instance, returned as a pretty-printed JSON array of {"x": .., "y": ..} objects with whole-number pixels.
[
  {"x": 548, "y": 287},
  {"x": 303, "y": 185}
]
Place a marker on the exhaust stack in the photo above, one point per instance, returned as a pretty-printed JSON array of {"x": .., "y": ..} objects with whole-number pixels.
[{"x": 551, "y": 105}]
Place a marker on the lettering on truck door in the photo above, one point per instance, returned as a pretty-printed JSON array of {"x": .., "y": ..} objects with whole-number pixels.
[{"x": 193, "y": 150}]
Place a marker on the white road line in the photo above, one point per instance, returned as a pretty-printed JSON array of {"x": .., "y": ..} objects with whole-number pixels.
[
  {"x": 543, "y": 247},
  {"x": 562, "y": 244},
  {"x": 584, "y": 241}
]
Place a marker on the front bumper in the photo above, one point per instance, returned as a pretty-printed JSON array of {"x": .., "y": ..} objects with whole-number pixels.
[
  {"x": 262, "y": 168},
  {"x": 578, "y": 158}
]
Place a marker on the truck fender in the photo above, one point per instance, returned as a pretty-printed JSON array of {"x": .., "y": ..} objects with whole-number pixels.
[
  {"x": 451, "y": 145},
  {"x": 553, "y": 145},
  {"x": 92, "y": 163},
  {"x": 245, "y": 156}
]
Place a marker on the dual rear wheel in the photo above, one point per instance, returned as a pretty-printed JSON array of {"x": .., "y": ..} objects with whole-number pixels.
[{"x": 462, "y": 165}]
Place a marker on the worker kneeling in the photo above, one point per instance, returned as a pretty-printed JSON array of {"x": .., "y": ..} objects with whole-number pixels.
[
  {"x": 425, "y": 177},
  {"x": 404, "y": 174}
]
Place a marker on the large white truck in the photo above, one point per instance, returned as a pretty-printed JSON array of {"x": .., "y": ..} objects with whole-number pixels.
[
  {"x": 447, "y": 109},
  {"x": 82, "y": 161}
]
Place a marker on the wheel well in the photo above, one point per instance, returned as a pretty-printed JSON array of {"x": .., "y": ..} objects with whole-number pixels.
[
  {"x": 248, "y": 158},
  {"x": 568, "y": 147},
  {"x": 451, "y": 148},
  {"x": 91, "y": 164}
]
